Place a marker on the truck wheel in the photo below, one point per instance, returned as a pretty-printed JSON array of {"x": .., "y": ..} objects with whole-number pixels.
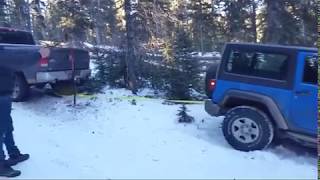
[
  {"x": 210, "y": 74},
  {"x": 63, "y": 88},
  {"x": 21, "y": 89},
  {"x": 247, "y": 129}
]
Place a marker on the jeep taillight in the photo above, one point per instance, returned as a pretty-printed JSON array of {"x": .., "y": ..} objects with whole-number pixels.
[
  {"x": 212, "y": 84},
  {"x": 44, "y": 62}
]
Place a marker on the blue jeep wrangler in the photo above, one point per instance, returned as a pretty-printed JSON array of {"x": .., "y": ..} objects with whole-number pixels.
[{"x": 265, "y": 92}]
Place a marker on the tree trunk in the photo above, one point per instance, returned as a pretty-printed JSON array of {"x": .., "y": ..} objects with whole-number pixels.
[
  {"x": 130, "y": 54},
  {"x": 97, "y": 25},
  {"x": 254, "y": 20},
  {"x": 273, "y": 23},
  {"x": 3, "y": 21},
  {"x": 201, "y": 29},
  {"x": 28, "y": 14}
]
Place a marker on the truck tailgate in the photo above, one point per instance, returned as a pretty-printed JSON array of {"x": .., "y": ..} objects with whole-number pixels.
[{"x": 59, "y": 59}]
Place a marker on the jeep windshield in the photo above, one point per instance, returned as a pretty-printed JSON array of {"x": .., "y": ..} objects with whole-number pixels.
[{"x": 16, "y": 37}]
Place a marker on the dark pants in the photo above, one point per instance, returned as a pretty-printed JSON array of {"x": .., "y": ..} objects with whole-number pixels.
[{"x": 6, "y": 128}]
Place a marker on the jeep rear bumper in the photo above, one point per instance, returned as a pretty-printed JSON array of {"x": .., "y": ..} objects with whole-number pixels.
[{"x": 212, "y": 108}]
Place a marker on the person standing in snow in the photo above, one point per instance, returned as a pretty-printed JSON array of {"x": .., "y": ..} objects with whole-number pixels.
[{"x": 7, "y": 81}]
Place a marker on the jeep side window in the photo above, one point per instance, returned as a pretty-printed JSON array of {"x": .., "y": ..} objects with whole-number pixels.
[
  {"x": 259, "y": 64},
  {"x": 311, "y": 70}
]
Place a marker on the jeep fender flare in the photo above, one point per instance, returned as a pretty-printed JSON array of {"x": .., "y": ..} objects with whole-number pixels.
[{"x": 270, "y": 104}]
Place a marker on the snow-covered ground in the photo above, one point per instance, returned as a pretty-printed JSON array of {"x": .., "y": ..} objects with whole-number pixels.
[{"x": 108, "y": 137}]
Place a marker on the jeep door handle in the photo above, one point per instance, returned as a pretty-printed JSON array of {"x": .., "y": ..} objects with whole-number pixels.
[{"x": 303, "y": 93}]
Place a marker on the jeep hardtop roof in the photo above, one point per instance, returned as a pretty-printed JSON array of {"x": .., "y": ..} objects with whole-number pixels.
[{"x": 284, "y": 47}]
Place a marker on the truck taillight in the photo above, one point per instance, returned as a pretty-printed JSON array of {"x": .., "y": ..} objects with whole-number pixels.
[
  {"x": 212, "y": 84},
  {"x": 44, "y": 57},
  {"x": 44, "y": 62}
]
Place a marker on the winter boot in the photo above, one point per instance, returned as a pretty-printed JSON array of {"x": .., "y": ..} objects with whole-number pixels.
[
  {"x": 14, "y": 159},
  {"x": 7, "y": 171}
]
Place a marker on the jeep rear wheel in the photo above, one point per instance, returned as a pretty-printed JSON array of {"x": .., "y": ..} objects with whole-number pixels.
[{"x": 247, "y": 129}]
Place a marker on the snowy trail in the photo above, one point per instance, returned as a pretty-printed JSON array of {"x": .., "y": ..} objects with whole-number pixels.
[{"x": 112, "y": 139}]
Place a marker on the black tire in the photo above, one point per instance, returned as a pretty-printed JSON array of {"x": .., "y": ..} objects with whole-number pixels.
[
  {"x": 21, "y": 89},
  {"x": 40, "y": 86},
  {"x": 211, "y": 73},
  {"x": 65, "y": 88},
  {"x": 247, "y": 129}
]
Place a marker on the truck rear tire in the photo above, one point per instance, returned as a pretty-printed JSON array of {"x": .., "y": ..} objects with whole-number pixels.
[
  {"x": 247, "y": 129},
  {"x": 21, "y": 89},
  {"x": 63, "y": 88}
]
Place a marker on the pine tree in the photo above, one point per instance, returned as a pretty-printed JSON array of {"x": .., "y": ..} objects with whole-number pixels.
[
  {"x": 22, "y": 10},
  {"x": 290, "y": 22},
  {"x": 15, "y": 13},
  {"x": 253, "y": 19},
  {"x": 3, "y": 13},
  {"x": 52, "y": 20},
  {"x": 203, "y": 26},
  {"x": 103, "y": 15},
  {"x": 183, "y": 70},
  {"x": 277, "y": 19},
  {"x": 109, "y": 67},
  {"x": 306, "y": 13},
  {"x": 38, "y": 24},
  {"x": 237, "y": 17},
  {"x": 153, "y": 19},
  {"x": 131, "y": 56},
  {"x": 183, "y": 115},
  {"x": 72, "y": 17}
]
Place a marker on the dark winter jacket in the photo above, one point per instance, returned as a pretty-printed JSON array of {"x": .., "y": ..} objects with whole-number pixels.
[
  {"x": 7, "y": 69},
  {"x": 6, "y": 88},
  {"x": 6, "y": 81},
  {"x": 5, "y": 114}
]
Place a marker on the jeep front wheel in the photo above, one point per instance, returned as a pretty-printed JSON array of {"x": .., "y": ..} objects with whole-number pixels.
[{"x": 247, "y": 129}]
